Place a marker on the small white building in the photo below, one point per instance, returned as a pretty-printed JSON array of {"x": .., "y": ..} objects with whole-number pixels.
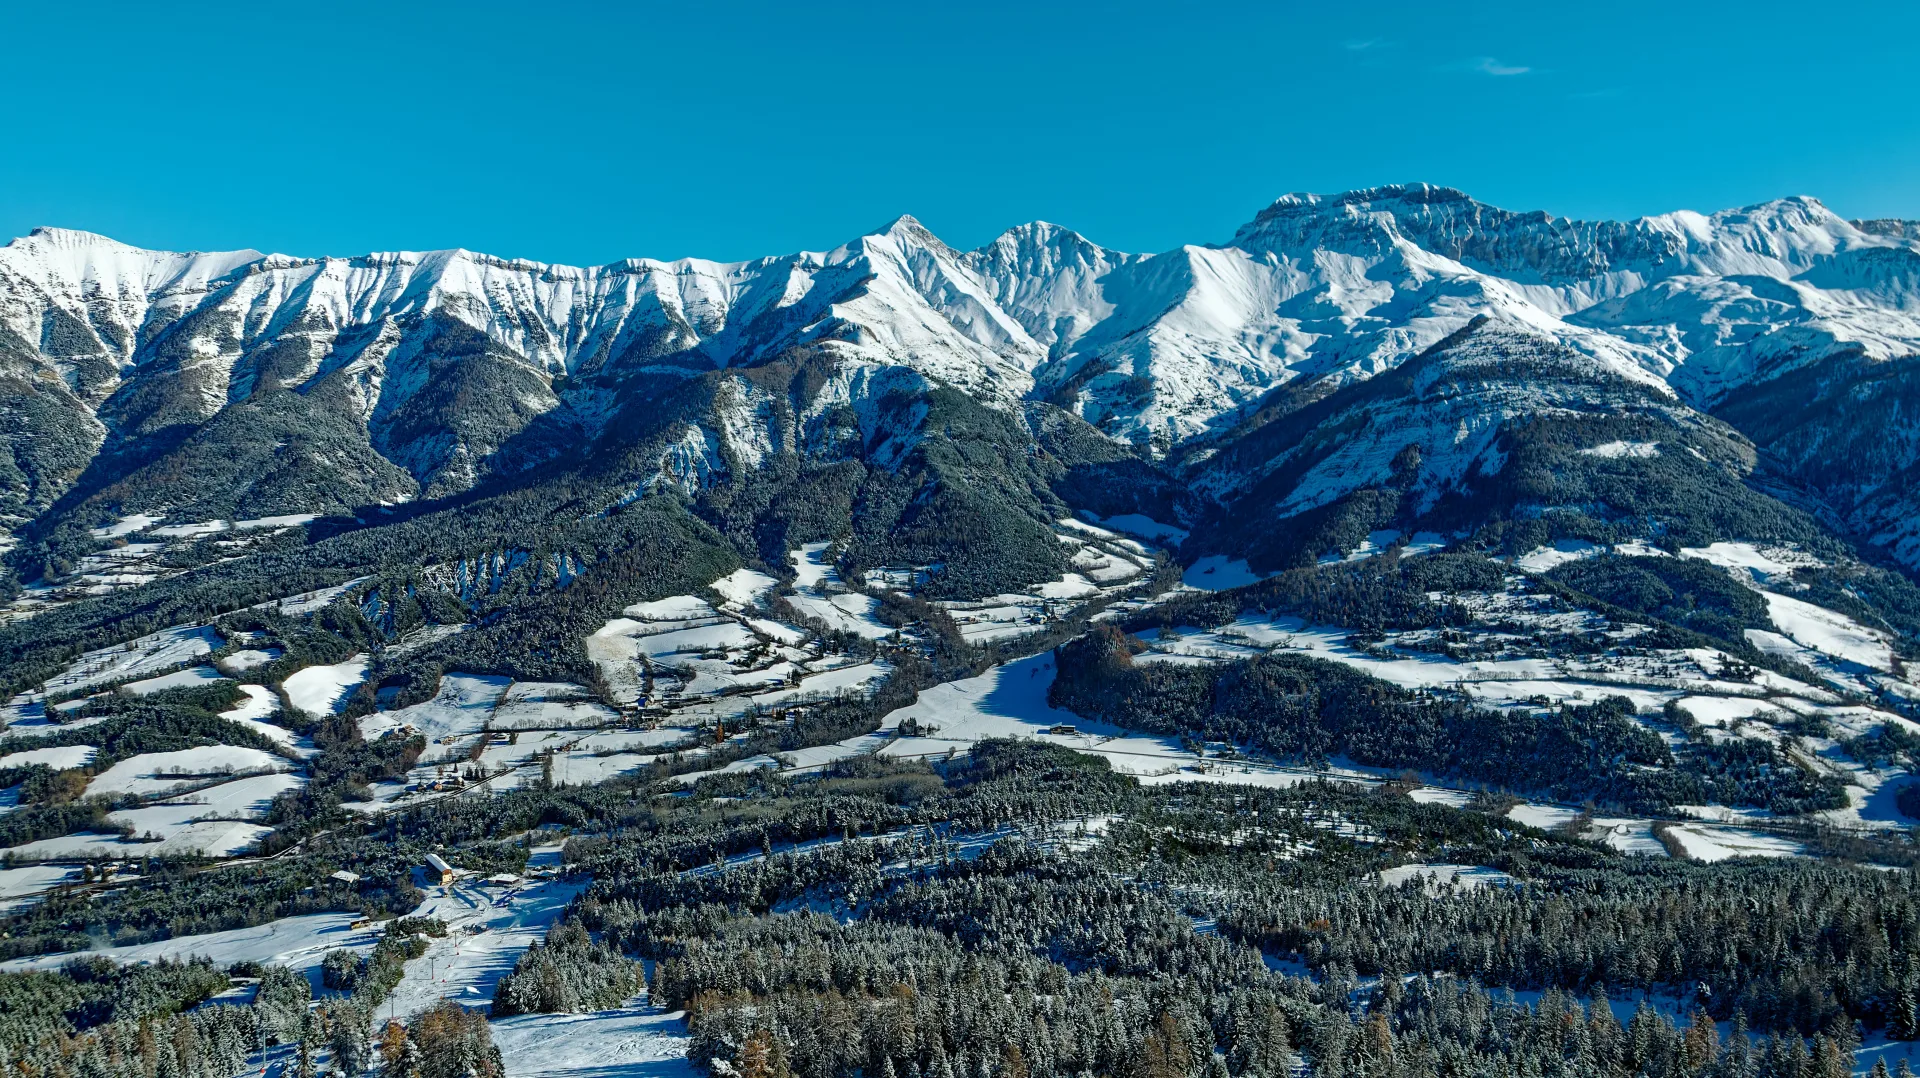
[{"x": 438, "y": 867}]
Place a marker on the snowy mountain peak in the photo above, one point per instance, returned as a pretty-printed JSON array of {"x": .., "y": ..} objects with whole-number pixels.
[
  {"x": 906, "y": 229},
  {"x": 1411, "y": 193},
  {"x": 1152, "y": 349},
  {"x": 67, "y": 239},
  {"x": 66, "y": 257}
]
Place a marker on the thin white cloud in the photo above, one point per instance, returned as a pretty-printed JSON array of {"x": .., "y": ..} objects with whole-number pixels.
[
  {"x": 1365, "y": 44},
  {"x": 1487, "y": 65}
]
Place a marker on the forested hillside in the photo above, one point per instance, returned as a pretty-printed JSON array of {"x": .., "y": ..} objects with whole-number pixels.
[{"x": 1410, "y": 639}]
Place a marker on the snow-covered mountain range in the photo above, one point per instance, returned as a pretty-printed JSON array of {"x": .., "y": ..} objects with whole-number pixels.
[{"x": 423, "y": 366}]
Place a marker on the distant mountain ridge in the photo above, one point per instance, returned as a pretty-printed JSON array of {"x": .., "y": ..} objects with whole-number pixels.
[{"x": 333, "y": 382}]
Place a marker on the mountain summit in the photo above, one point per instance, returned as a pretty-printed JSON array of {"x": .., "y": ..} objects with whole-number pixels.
[{"x": 411, "y": 374}]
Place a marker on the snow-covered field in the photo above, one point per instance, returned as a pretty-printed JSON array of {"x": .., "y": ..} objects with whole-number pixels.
[
  {"x": 179, "y": 679},
  {"x": 1754, "y": 564},
  {"x": 682, "y": 651},
  {"x": 488, "y": 929},
  {"x": 1559, "y": 553},
  {"x": 123, "y": 662},
  {"x": 827, "y": 683},
  {"x": 126, "y": 525},
  {"x": 1619, "y": 450},
  {"x": 295, "y": 942},
  {"x": 745, "y": 587},
  {"x": 241, "y": 799},
  {"x": 1438, "y": 876},
  {"x": 18, "y": 886},
  {"x": 1144, "y": 527},
  {"x": 58, "y": 757},
  {"x": 153, "y": 773},
  {"x": 216, "y": 527},
  {"x": 1007, "y": 701},
  {"x": 1101, "y": 562},
  {"x": 1830, "y": 633},
  {"x": 177, "y": 830},
  {"x": 1702, "y": 840},
  {"x": 245, "y": 659},
  {"x": 462, "y": 706},
  {"x": 260, "y": 702},
  {"x": 549, "y": 705},
  {"x": 819, "y": 593},
  {"x": 632, "y": 1042},
  {"x": 1217, "y": 572},
  {"x": 217, "y": 838},
  {"x": 323, "y": 690},
  {"x": 1706, "y": 842},
  {"x": 586, "y": 768},
  {"x": 751, "y": 763}
]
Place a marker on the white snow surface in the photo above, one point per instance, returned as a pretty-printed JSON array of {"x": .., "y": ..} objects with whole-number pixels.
[
  {"x": 744, "y": 587},
  {"x": 323, "y": 690},
  {"x": 1145, "y": 527},
  {"x": 122, "y": 662},
  {"x": 462, "y": 706},
  {"x": 1435, "y": 876},
  {"x": 247, "y": 658},
  {"x": 59, "y": 757},
  {"x": 1336, "y": 286},
  {"x": 1619, "y": 450},
  {"x": 1217, "y": 572},
  {"x": 1704, "y": 842},
  {"x": 218, "y": 821},
  {"x": 214, "y": 838},
  {"x": 17, "y": 885},
  {"x": 157, "y": 772},
  {"x": 819, "y": 593},
  {"x": 1753, "y": 563},
  {"x": 179, "y": 679},
  {"x": 1830, "y": 633},
  {"x": 549, "y": 705},
  {"x": 295, "y": 942},
  {"x": 630, "y": 1042},
  {"x": 260, "y": 703},
  {"x": 1560, "y": 552},
  {"x": 466, "y": 965}
]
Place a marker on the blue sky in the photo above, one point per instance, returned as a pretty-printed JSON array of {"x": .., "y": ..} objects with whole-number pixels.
[{"x": 581, "y": 133}]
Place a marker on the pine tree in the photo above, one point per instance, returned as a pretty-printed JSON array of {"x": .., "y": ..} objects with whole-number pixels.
[
  {"x": 1904, "y": 1022},
  {"x": 303, "y": 1065},
  {"x": 350, "y": 1048}
]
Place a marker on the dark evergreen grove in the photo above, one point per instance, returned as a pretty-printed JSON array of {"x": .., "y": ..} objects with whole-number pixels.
[
  {"x": 1294, "y": 707},
  {"x": 887, "y": 921}
]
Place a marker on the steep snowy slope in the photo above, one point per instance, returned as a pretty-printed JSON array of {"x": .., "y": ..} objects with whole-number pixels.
[
  {"x": 1162, "y": 349},
  {"x": 443, "y": 357},
  {"x": 242, "y": 384}
]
